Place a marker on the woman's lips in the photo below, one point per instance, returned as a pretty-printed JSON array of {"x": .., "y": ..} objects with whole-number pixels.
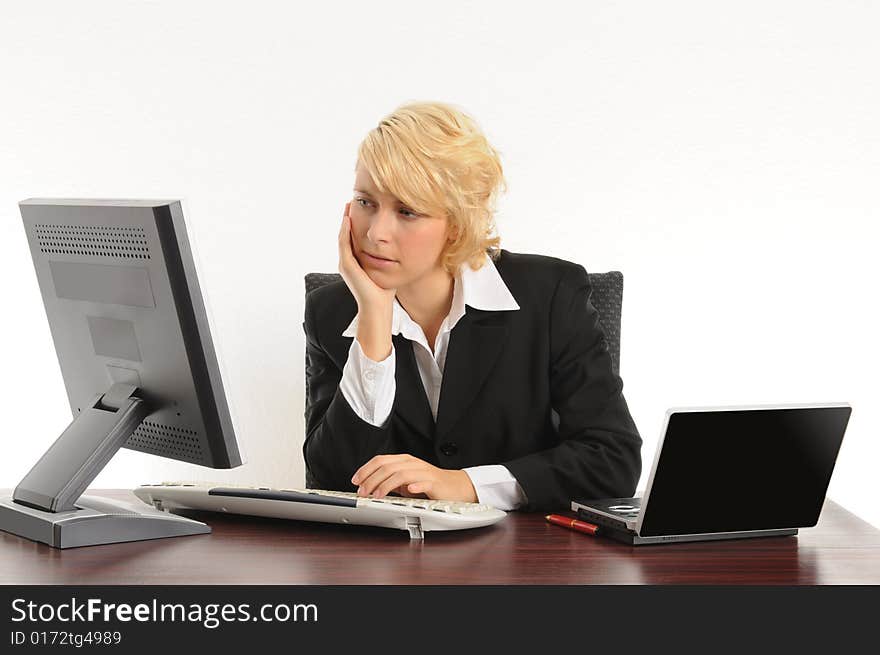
[{"x": 377, "y": 261}]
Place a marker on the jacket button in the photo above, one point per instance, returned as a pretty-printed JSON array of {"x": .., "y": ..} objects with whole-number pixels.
[{"x": 449, "y": 448}]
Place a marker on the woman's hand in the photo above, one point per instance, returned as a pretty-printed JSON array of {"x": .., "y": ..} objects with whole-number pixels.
[
  {"x": 411, "y": 476},
  {"x": 375, "y": 304},
  {"x": 369, "y": 295}
]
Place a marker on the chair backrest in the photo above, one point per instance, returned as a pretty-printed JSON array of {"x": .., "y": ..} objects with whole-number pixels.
[{"x": 607, "y": 298}]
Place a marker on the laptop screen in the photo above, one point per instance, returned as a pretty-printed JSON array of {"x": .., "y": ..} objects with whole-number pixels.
[{"x": 736, "y": 470}]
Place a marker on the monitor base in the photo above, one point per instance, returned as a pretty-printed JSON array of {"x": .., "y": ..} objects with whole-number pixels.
[{"x": 94, "y": 521}]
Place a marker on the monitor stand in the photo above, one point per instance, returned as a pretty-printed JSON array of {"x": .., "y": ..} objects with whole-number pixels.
[{"x": 47, "y": 506}]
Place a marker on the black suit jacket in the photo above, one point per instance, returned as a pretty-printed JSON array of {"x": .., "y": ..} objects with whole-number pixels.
[{"x": 506, "y": 373}]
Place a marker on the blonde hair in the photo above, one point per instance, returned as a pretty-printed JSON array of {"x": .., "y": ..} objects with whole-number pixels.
[{"x": 435, "y": 159}]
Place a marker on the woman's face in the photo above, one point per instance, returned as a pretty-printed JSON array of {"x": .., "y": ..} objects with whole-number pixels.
[{"x": 383, "y": 226}]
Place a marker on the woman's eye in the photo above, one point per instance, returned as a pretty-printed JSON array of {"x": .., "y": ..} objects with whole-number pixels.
[{"x": 407, "y": 213}]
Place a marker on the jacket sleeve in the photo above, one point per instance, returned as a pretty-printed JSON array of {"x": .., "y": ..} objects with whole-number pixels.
[
  {"x": 338, "y": 441},
  {"x": 599, "y": 449}
]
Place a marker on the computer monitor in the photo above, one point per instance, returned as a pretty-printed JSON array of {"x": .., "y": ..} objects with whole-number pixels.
[{"x": 131, "y": 333}]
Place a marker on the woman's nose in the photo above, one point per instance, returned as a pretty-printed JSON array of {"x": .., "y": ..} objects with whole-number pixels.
[{"x": 381, "y": 226}]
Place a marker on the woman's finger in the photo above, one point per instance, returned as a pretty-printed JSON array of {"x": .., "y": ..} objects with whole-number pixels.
[
  {"x": 370, "y": 484},
  {"x": 398, "y": 479},
  {"x": 345, "y": 237},
  {"x": 378, "y": 477},
  {"x": 376, "y": 461},
  {"x": 370, "y": 467},
  {"x": 422, "y": 487}
]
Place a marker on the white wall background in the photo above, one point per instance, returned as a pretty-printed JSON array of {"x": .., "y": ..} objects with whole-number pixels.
[{"x": 725, "y": 157}]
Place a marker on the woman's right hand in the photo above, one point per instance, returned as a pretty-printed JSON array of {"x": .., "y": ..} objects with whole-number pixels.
[{"x": 375, "y": 304}]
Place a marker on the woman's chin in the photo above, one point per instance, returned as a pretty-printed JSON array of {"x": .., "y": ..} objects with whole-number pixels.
[{"x": 381, "y": 279}]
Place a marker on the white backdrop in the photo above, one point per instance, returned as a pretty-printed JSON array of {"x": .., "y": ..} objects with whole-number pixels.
[{"x": 725, "y": 158}]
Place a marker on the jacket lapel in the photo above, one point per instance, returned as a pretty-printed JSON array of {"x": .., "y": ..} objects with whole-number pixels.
[
  {"x": 475, "y": 344},
  {"x": 412, "y": 402}
]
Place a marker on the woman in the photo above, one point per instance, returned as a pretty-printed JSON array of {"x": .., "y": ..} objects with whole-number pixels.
[{"x": 435, "y": 365}]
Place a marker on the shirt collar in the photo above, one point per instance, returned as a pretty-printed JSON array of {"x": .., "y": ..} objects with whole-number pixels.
[{"x": 482, "y": 289}]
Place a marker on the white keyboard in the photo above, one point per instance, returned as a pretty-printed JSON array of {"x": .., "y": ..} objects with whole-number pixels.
[{"x": 415, "y": 515}]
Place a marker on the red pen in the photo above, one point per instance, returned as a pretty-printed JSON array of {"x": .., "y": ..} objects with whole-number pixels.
[{"x": 573, "y": 524}]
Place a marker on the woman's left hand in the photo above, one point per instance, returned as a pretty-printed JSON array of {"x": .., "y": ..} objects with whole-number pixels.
[{"x": 411, "y": 476}]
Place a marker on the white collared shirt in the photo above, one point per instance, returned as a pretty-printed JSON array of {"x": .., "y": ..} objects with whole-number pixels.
[{"x": 369, "y": 386}]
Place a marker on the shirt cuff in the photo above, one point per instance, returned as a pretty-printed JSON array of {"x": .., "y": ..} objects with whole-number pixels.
[
  {"x": 369, "y": 386},
  {"x": 496, "y": 486}
]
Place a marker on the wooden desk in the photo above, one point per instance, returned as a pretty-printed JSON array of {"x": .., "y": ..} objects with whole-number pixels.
[{"x": 522, "y": 549}]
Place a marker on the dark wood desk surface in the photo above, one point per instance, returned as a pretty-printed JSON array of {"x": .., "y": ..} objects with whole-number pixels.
[{"x": 522, "y": 549}]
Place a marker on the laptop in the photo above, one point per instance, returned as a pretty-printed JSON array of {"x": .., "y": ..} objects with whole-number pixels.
[{"x": 729, "y": 473}]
